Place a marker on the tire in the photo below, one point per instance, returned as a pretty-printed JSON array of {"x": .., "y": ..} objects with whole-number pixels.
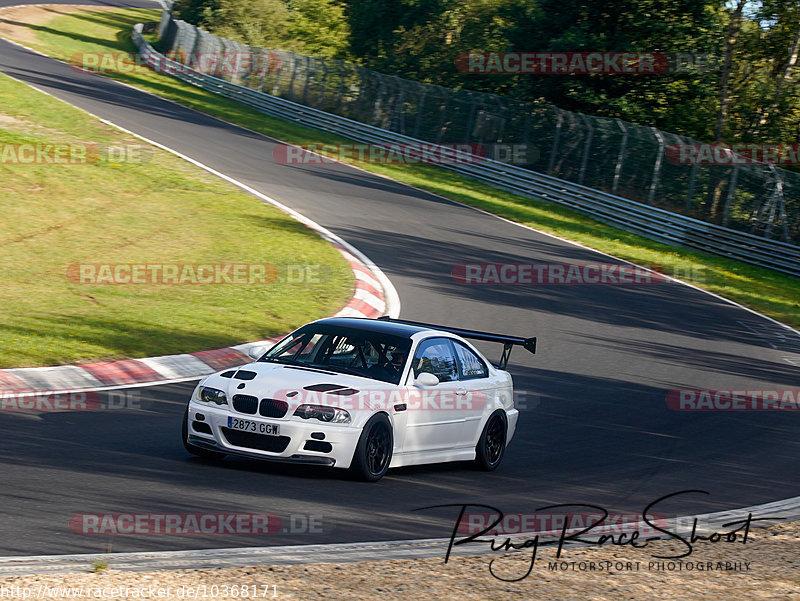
[
  {"x": 197, "y": 451},
  {"x": 374, "y": 450},
  {"x": 492, "y": 443}
]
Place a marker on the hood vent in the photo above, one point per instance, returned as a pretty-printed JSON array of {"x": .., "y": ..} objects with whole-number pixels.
[
  {"x": 323, "y": 387},
  {"x": 243, "y": 374},
  {"x": 344, "y": 391},
  {"x": 332, "y": 389}
]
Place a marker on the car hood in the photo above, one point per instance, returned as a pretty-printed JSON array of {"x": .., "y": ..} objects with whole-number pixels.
[{"x": 299, "y": 385}]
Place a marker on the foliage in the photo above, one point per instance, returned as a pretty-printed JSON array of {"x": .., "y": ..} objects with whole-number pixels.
[
  {"x": 752, "y": 97},
  {"x": 316, "y": 27}
]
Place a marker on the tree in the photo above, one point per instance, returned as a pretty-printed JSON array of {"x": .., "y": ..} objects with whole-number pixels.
[
  {"x": 679, "y": 102},
  {"x": 727, "y": 63},
  {"x": 319, "y": 27},
  {"x": 780, "y": 29},
  {"x": 316, "y": 27}
]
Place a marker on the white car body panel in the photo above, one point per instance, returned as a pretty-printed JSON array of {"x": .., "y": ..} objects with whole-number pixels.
[{"x": 438, "y": 424}]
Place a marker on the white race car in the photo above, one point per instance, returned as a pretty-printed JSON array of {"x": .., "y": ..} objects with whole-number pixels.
[{"x": 360, "y": 394}]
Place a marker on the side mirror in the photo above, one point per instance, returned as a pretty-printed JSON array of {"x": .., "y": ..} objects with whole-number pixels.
[
  {"x": 426, "y": 379},
  {"x": 256, "y": 352}
]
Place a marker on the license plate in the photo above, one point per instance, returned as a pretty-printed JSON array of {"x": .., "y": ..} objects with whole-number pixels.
[{"x": 245, "y": 425}]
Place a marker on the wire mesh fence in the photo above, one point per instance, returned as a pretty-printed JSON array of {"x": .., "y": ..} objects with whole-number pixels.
[{"x": 641, "y": 163}]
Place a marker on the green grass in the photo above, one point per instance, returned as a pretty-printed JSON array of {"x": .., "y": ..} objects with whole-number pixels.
[
  {"x": 161, "y": 210},
  {"x": 764, "y": 290},
  {"x": 99, "y": 566}
]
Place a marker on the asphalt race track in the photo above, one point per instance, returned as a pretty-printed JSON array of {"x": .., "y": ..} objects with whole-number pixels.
[{"x": 594, "y": 427}]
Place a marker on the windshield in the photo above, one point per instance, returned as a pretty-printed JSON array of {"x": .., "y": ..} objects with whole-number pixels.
[{"x": 361, "y": 353}]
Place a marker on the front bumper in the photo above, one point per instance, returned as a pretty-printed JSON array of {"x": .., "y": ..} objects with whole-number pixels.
[{"x": 332, "y": 445}]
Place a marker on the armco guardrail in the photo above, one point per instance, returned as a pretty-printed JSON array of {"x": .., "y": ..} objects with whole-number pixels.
[{"x": 629, "y": 215}]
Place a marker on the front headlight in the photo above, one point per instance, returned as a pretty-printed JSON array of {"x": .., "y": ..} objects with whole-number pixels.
[
  {"x": 331, "y": 415},
  {"x": 212, "y": 395}
]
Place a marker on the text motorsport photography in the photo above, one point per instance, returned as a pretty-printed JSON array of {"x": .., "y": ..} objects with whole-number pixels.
[{"x": 670, "y": 542}]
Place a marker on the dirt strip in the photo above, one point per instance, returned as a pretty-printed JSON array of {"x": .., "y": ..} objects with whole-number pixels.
[
  {"x": 766, "y": 567},
  {"x": 18, "y": 22}
]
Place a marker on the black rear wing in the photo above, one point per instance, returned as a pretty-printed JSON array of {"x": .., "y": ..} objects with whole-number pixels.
[{"x": 508, "y": 342}]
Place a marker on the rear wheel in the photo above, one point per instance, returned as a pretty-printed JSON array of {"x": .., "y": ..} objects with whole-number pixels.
[
  {"x": 374, "y": 450},
  {"x": 198, "y": 451},
  {"x": 492, "y": 443}
]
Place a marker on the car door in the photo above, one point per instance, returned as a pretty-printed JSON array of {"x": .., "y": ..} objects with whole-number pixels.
[
  {"x": 479, "y": 388},
  {"x": 435, "y": 422}
]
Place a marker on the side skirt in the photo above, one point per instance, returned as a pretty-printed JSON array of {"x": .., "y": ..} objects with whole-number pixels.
[{"x": 423, "y": 457}]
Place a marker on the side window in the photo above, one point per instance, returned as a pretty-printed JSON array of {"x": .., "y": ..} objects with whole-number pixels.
[
  {"x": 470, "y": 364},
  {"x": 436, "y": 356}
]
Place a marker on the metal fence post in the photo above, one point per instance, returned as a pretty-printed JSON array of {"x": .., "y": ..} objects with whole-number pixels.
[
  {"x": 443, "y": 119},
  {"x": 777, "y": 205},
  {"x": 399, "y": 111},
  {"x": 420, "y": 108},
  {"x": 276, "y": 87},
  {"x": 623, "y": 146},
  {"x": 290, "y": 90},
  {"x": 726, "y": 212},
  {"x": 502, "y": 129},
  {"x": 342, "y": 84},
  {"x": 526, "y": 129},
  {"x": 376, "y": 114},
  {"x": 166, "y": 18},
  {"x": 323, "y": 85},
  {"x": 690, "y": 191},
  {"x": 363, "y": 76},
  {"x": 471, "y": 121},
  {"x": 307, "y": 65},
  {"x": 551, "y": 164},
  {"x": 657, "y": 167},
  {"x": 587, "y": 148}
]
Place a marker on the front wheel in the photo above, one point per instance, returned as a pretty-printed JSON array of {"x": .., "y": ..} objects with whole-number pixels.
[
  {"x": 374, "y": 450},
  {"x": 492, "y": 443},
  {"x": 199, "y": 452}
]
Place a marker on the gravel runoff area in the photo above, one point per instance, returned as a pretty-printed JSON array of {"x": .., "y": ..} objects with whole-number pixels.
[{"x": 766, "y": 567}]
